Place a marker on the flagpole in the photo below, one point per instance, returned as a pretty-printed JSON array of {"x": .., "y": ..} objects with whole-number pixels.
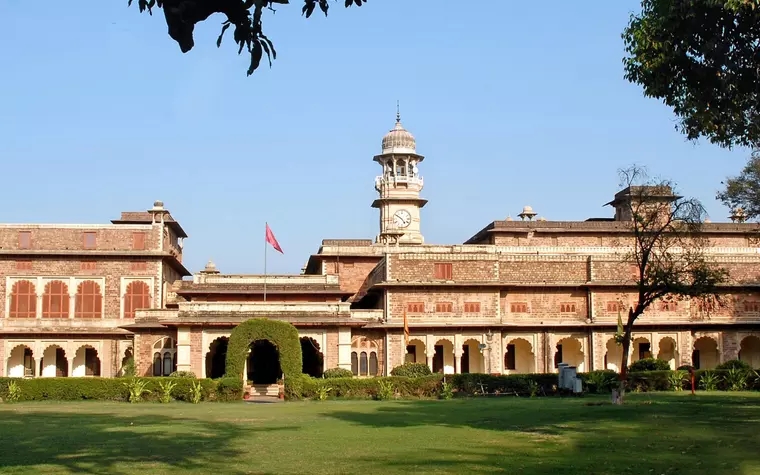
[{"x": 265, "y": 263}]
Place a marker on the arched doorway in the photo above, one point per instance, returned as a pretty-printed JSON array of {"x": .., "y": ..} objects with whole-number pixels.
[
  {"x": 705, "y": 354},
  {"x": 54, "y": 362},
  {"x": 283, "y": 337},
  {"x": 216, "y": 358},
  {"x": 570, "y": 351},
  {"x": 313, "y": 360},
  {"x": 749, "y": 351},
  {"x": 519, "y": 356},
  {"x": 668, "y": 351},
  {"x": 613, "y": 358},
  {"x": 472, "y": 357},
  {"x": 263, "y": 363},
  {"x": 21, "y": 363}
]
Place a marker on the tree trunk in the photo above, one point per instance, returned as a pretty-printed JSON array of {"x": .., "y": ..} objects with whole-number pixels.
[{"x": 619, "y": 394}]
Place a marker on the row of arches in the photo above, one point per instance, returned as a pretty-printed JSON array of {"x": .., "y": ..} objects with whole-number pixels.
[
  {"x": 88, "y": 300},
  {"x": 705, "y": 352},
  {"x": 263, "y": 363},
  {"x": 54, "y": 362}
]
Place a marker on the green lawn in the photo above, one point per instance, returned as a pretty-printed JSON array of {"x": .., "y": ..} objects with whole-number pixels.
[{"x": 666, "y": 433}]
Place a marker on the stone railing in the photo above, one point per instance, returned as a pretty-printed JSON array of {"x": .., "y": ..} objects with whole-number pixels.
[
  {"x": 158, "y": 313},
  {"x": 293, "y": 280},
  {"x": 338, "y": 308},
  {"x": 64, "y": 324},
  {"x": 368, "y": 314}
]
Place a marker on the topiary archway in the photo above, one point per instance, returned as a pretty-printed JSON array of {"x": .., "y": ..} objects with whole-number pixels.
[{"x": 282, "y": 335}]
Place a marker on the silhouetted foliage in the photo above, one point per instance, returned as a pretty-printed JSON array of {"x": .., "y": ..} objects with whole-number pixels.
[
  {"x": 245, "y": 15},
  {"x": 743, "y": 191},
  {"x": 701, "y": 58}
]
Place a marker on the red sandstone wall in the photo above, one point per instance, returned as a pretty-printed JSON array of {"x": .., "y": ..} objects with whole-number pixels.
[{"x": 112, "y": 270}]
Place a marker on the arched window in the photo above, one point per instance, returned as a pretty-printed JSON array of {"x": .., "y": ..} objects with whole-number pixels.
[
  {"x": 137, "y": 297},
  {"x": 355, "y": 363},
  {"x": 156, "y": 364},
  {"x": 55, "y": 300},
  {"x": 23, "y": 300},
  {"x": 165, "y": 357},
  {"x": 373, "y": 364},
  {"x": 364, "y": 357},
  {"x": 168, "y": 363},
  {"x": 89, "y": 301}
]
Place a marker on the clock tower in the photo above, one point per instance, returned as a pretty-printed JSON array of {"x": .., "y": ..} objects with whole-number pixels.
[{"x": 399, "y": 188}]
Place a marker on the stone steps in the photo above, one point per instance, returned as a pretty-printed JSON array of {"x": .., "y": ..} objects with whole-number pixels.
[{"x": 264, "y": 390}]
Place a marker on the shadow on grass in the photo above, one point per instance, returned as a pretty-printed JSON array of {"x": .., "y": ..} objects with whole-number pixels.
[
  {"x": 663, "y": 434},
  {"x": 106, "y": 443}
]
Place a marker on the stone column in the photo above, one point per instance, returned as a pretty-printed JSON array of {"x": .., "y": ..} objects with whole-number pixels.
[
  {"x": 344, "y": 347},
  {"x": 40, "y": 293},
  {"x": 184, "y": 362},
  {"x": 457, "y": 363},
  {"x": 430, "y": 361}
]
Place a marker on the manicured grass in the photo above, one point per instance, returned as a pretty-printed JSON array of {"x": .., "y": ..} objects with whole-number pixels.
[{"x": 665, "y": 433}]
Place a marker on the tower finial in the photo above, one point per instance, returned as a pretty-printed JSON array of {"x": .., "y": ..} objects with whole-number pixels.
[{"x": 398, "y": 113}]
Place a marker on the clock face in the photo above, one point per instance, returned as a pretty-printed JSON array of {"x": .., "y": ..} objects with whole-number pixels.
[{"x": 402, "y": 218}]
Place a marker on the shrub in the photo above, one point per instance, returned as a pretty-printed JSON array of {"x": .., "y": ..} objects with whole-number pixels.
[
  {"x": 136, "y": 388},
  {"x": 737, "y": 379},
  {"x": 649, "y": 364},
  {"x": 196, "y": 392},
  {"x": 385, "y": 390},
  {"x": 294, "y": 385},
  {"x": 229, "y": 389},
  {"x": 337, "y": 373},
  {"x": 676, "y": 380},
  {"x": 282, "y": 335},
  {"x": 735, "y": 364},
  {"x": 165, "y": 395},
  {"x": 322, "y": 393},
  {"x": 411, "y": 370},
  {"x": 519, "y": 384},
  {"x": 447, "y": 390},
  {"x": 129, "y": 370},
  {"x": 709, "y": 381},
  {"x": 601, "y": 381},
  {"x": 115, "y": 389},
  {"x": 183, "y": 374},
  {"x": 14, "y": 392}
]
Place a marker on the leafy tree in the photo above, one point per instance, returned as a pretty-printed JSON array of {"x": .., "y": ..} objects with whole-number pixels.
[
  {"x": 743, "y": 191},
  {"x": 702, "y": 59},
  {"x": 667, "y": 251},
  {"x": 245, "y": 15}
]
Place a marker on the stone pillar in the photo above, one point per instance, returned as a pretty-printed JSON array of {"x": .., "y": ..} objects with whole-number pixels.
[
  {"x": 599, "y": 345},
  {"x": 344, "y": 347},
  {"x": 40, "y": 293},
  {"x": 457, "y": 363},
  {"x": 184, "y": 361},
  {"x": 72, "y": 300},
  {"x": 430, "y": 361},
  {"x": 730, "y": 345}
]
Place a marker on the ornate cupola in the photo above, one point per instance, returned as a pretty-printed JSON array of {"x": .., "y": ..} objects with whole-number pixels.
[{"x": 399, "y": 188}]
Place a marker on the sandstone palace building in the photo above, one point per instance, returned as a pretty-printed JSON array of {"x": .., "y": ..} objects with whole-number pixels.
[{"x": 520, "y": 295}]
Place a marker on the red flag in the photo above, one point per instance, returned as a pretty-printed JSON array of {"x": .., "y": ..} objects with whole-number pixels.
[{"x": 272, "y": 240}]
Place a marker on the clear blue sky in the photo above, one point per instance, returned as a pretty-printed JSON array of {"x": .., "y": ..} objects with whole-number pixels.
[{"x": 512, "y": 103}]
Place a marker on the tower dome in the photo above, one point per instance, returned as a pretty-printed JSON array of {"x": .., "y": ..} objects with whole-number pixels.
[{"x": 399, "y": 140}]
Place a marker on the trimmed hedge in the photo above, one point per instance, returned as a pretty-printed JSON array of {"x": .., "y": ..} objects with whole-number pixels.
[
  {"x": 282, "y": 335},
  {"x": 115, "y": 389},
  {"x": 300, "y": 386},
  {"x": 412, "y": 370},
  {"x": 649, "y": 364},
  {"x": 337, "y": 373}
]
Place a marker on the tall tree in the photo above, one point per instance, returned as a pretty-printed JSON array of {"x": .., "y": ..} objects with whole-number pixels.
[
  {"x": 743, "y": 191},
  {"x": 702, "y": 59},
  {"x": 668, "y": 251},
  {"x": 245, "y": 15}
]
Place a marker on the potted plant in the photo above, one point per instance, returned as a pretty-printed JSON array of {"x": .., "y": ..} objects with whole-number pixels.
[{"x": 281, "y": 388}]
